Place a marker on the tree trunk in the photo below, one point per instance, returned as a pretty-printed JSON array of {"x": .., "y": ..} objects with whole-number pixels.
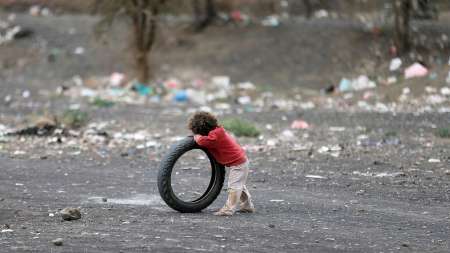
[
  {"x": 204, "y": 15},
  {"x": 308, "y": 8},
  {"x": 144, "y": 25},
  {"x": 402, "y": 10},
  {"x": 142, "y": 66}
]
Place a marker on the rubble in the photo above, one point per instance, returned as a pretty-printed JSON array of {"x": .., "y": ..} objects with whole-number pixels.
[
  {"x": 395, "y": 64},
  {"x": 360, "y": 83},
  {"x": 416, "y": 70},
  {"x": 58, "y": 242},
  {"x": 69, "y": 214}
]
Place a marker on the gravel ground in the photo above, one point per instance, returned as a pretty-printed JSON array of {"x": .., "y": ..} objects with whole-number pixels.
[{"x": 385, "y": 197}]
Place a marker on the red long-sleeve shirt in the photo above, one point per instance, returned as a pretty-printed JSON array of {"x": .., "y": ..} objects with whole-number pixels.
[{"x": 222, "y": 147}]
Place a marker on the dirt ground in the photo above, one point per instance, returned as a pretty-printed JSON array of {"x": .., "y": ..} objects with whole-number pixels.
[
  {"x": 354, "y": 181},
  {"x": 382, "y": 198}
]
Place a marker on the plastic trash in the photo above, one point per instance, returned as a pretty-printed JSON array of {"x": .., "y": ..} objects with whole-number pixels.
[
  {"x": 244, "y": 100},
  {"x": 321, "y": 14},
  {"x": 272, "y": 21},
  {"x": 362, "y": 83},
  {"x": 172, "y": 84},
  {"x": 345, "y": 85},
  {"x": 221, "y": 82},
  {"x": 142, "y": 89},
  {"x": 300, "y": 124},
  {"x": 116, "y": 79},
  {"x": 181, "y": 96},
  {"x": 416, "y": 70},
  {"x": 445, "y": 91},
  {"x": 391, "y": 80},
  {"x": 196, "y": 96},
  {"x": 79, "y": 51},
  {"x": 396, "y": 63}
]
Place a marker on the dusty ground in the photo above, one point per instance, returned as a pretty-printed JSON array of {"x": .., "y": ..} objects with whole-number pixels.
[
  {"x": 384, "y": 189},
  {"x": 354, "y": 208}
]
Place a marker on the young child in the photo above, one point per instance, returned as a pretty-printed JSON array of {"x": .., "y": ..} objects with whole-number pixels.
[{"x": 208, "y": 134}]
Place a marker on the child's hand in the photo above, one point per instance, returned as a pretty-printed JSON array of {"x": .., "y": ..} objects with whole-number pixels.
[{"x": 196, "y": 137}]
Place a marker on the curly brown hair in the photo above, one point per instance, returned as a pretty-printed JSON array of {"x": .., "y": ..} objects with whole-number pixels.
[{"x": 202, "y": 123}]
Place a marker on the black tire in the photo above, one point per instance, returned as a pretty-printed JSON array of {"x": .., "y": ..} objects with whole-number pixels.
[{"x": 165, "y": 173}]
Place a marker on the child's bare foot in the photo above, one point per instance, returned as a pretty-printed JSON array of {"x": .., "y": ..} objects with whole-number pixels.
[
  {"x": 224, "y": 212},
  {"x": 247, "y": 210}
]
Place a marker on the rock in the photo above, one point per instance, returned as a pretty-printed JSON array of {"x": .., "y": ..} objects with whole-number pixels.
[
  {"x": 271, "y": 226},
  {"x": 58, "y": 242},
  {"x": 70, "y": 213}
]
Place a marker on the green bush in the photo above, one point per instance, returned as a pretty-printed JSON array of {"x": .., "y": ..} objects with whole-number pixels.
[
  {"x": 74, "y": 118},
  {"x": 100, "y": 102},
  {"x": 240, "y": 127},
  {"x": 443, "y": 132}
]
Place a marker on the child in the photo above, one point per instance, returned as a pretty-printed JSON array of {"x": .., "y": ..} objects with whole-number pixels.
[{"x": 208, "y": 134}]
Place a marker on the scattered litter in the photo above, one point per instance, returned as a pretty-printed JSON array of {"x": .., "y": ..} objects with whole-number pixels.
[
  {"x": 300, "y": 147},
  {"x": 434, "y": 160},
  {"x": 360, "y": 83},
  {"x": 70, "y": 213},
  {"x": 181, "y": 96},
  {"x": 58, "y": 242},
  {"x": 391, "y": 80},
  {"x": 445, "y": 91},
  {"x": 321, "y": 14},
  {"x": 7, "y": 230},
  {"x": 276, "y": 200},
  {"x": 337, "y": 129},
  {"x": 416, "y": 70},
  {"x": 395, "y": 64},
  {"x": 300, "y": 124},
  {"x": 142, "y": 89},
  {"x": 381, "y": 174},
  {"x": 272, "y": 21},
  {"x": 315, "y": 176},
  {"x": 79, "y": 51},
  {"x": 117, "y": 79}
]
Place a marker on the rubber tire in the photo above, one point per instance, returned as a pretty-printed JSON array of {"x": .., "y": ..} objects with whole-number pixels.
[{"x": 165, "y": 173}]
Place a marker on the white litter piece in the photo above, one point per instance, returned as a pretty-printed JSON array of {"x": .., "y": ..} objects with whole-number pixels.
[
  {"x": 277, "y": 200},
  {"x": 396, "y": 63},
  {"x": 434, "y": 160},
  {"x": 315, "y": 176}
]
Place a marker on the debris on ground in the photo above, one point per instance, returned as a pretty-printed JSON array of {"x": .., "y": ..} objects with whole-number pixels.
[
  {"x": 58, "y": 242},
  {"x": 416, "y": 70},
  {"x": 395, "y": 64},
  {"x": 70, "y": 213},
  {"x": 360, "y": 83},
  {"x": 300, "y": 124},
  {"x": 41, "y": 126}
]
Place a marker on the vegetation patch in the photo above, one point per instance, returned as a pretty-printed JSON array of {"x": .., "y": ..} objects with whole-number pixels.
[
  {"x": 100, "y": 102},
  {"x": 74, "y": 118},
  {"x": 443, "y": 132},
  {"x": 241, "y": 127}
]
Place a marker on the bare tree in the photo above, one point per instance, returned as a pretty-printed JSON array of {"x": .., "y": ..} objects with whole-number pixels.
[
  {"x": 402, "y": 12},
  {"x": 308, "y": 8},
  {"x": 143, "y": 15},
  {"x": 204, "y": 13}
]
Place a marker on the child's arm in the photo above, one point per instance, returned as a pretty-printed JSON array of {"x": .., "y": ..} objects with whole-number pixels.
[{"x": 206, "y": 141}]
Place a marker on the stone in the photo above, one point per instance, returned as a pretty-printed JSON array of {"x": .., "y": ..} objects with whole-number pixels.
[
  {"x": 58, "y": 242},
  {"x": 70, "y": 213}
]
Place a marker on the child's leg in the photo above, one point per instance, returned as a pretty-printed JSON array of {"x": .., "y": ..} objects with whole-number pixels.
[
  {"x": 236, "y": 181},
  {"x": 246, "y": 202}
]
